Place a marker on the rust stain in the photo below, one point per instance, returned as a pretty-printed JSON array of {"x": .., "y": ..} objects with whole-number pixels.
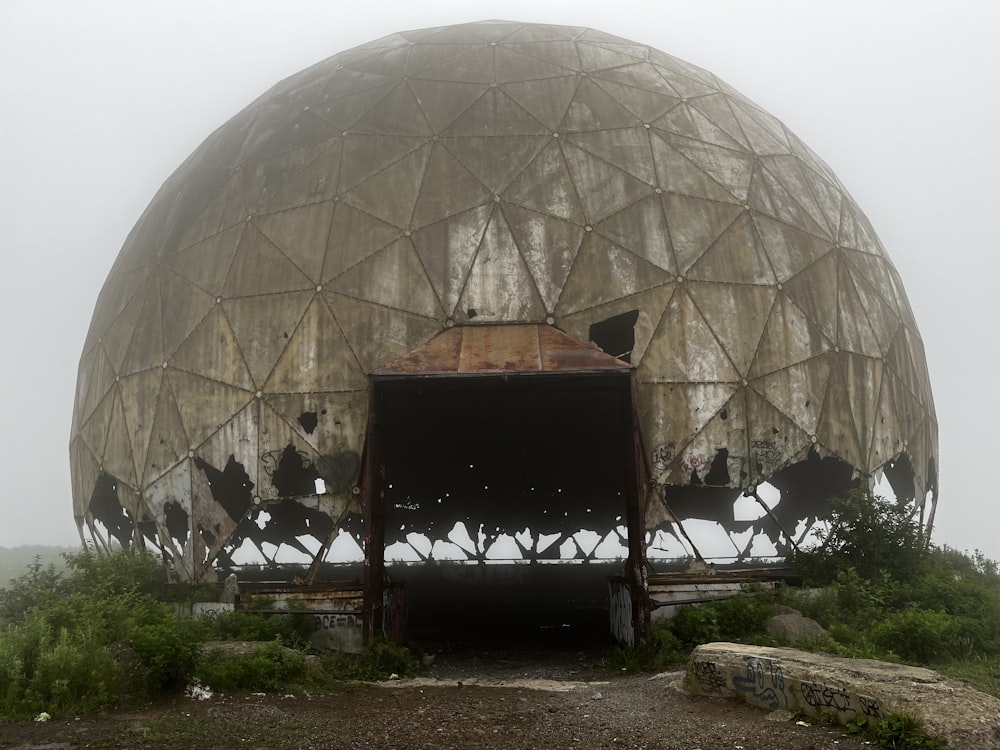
[{"x": 483, "y": 349}]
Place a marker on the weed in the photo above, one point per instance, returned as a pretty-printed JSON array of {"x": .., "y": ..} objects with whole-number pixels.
[{"x": 900, "y": 731}]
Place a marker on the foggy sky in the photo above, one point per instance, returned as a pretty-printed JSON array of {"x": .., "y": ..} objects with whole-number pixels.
[{"x": 101, "y": 101}]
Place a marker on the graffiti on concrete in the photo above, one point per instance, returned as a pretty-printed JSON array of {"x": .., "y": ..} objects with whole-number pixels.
[
  {"x": 766, "y": 684},
  {"x": 621, "y": 612},
  {"x": 870, "y": 707},
  {"x": 818, "y": 695},
  {"x": 707, "y": 674},
  {"x": 765, "y": 681},
  {"x": 337, "y": 620}
]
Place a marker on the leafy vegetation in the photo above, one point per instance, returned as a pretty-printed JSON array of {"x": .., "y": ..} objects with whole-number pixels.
[
  {"x": 97, "y": 634},
  {"x": 881, "y": 590}
]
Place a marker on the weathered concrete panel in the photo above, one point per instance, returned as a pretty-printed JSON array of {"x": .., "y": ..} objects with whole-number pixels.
[{"x": 785, "y": 678}]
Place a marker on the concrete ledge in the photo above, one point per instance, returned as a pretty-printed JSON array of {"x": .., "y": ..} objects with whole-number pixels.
[{"x": 786, "y": 678}]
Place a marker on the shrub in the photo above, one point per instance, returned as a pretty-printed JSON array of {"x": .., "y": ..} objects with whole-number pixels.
[
  {"x": 899, "y": 731},
  {"x": 696, "y": 624},
  {"x": 378, "y": 661},
  {"x": 293, "y": 630},
  {"x": 167, "y": 653},
  {"x": 919, "y": 635},
  {"x": 870, "y": 535},
  {"x": 268, "y": 667},
  {"x": 744, "y": 616}
]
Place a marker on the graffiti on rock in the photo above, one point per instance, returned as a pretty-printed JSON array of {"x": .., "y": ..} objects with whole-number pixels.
[
  {"x": 765, "y": 681},
  {"x": 818, "y": 695},
  {"x": 707, "y": 674}
]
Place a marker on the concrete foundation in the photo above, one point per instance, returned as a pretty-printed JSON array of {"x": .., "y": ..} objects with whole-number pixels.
[{"x": 784, "y": 678}]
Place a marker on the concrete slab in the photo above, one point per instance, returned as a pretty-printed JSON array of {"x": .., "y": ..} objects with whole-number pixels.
[{"x": 798, "y": 681}]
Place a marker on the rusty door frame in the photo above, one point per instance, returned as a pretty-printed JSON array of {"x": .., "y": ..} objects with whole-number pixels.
[{"x": 373, "y": 502}]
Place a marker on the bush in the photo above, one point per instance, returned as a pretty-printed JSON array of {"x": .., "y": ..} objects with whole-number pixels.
[
  {"x": 378, "y": 661},
  {"x": 899, "y": 731},
  {"x": 869, "y": 534},
  {"x": 919, "y": 635},
  {"x": 695, "y": 624},
  {"x": 268, "y": 667},
  {"x": 292, "y": 630},
  {"x": 168, "y": 655}
]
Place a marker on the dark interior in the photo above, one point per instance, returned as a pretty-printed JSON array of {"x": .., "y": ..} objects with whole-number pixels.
[{"x": 546, "y": 452}]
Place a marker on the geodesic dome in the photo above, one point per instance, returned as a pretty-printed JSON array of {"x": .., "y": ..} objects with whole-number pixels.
[{"x": 478, "y": 174}]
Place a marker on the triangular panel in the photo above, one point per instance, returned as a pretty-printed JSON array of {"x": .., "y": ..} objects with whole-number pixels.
[
  {"x": 398, "y": 331},
  {"x": 649, "y": 305},
  {"x": 393, "y": 277},
  {"x": 207, "y": 263},
  {"x": 332, "y": 423},
  {"x": 301, "y": 235},
  {"x": 317, "y": 357},
  {"x": 863, "y": 376},
  {"x": 260, "y": 268},
  {"x": 626, "y": 148},
  {"x": 184, "y": 306},
  {"x": 602, "y": 188},
  {"x": 684, "y": 349},
  {"x": 446, "y": 249},
  {"x": 547, "y": 100},
  {"x": 391, "y": 194},
  {"x": 737, "y": 314},
  {"x": 772, "y": 437},
  {"x": 814, "y": 290},
  {"x": 168, "y": 442},
  {"x": 448, "y": 188},
  {"x": 495, "y": 160},
  {"x": 549, "y": 247},
  {"x": 204, "y": 405},
  {"x": 799, "y": 390},
  {"x": 366, "y": 154},
  {"x": 263, "y": 326},
  {"x": 788, "y": 338},
  {"x": 737, "y": 256},
  {"x": 118, "y": 449},
  {"x": 836, "y": 429},
  {"x": 604, "y": 272},
  {"x": 695, "y": 224},
  {"x": 789, "y": 249},
  {"x": 646, "y": 105},
  {"x": 855, "y": 332},
  {"x": 212, "y": 350},
  {"x": 676, "y": 173},
  {"x": 140, "y": 394},
  {"x": 499, "y": 286},
  {"x": 642, "y": 230},
  {"x": 545, "y": 185},
  {"x": 593, "y": 109},
  {"x": 354, "y": 236},
  {"x": 495, "y": 113},
  {"x": 145, "y": 350},
  {"x": 398, "y": 113}
]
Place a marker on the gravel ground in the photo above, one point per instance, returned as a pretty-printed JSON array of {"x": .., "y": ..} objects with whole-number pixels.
[{"x": 485, "y": 701}]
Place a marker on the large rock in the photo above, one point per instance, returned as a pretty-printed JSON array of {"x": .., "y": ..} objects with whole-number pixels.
[
  {"x": 785, "y": 678},
  {"x": 793, "y": 627}
]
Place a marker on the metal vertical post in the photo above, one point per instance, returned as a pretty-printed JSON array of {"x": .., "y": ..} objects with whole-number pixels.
[
  {"x": 636, "y": 572},
  {"x": 373, "y": 500}
]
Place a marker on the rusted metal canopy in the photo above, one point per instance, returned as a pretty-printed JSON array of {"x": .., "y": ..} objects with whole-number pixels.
[{"x": 484, "y": 349}]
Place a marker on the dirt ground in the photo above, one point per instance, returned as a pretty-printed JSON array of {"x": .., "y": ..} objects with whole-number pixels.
[{"x": 484, "y": 700}]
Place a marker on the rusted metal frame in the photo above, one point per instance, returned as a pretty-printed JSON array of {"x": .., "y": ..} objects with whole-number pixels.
[
  {"x": 636, "y": 497},
  {"x": 770, "y": 515},
  {"x": 318, "y": 558},
  {"x": 373, "y": 503}
]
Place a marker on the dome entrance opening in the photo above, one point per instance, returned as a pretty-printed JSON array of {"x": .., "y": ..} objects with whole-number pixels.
[{"x": 505, "y": 493}]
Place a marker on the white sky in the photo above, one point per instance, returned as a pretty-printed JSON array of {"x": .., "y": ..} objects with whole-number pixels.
[{"x": 100, "y": 101}]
